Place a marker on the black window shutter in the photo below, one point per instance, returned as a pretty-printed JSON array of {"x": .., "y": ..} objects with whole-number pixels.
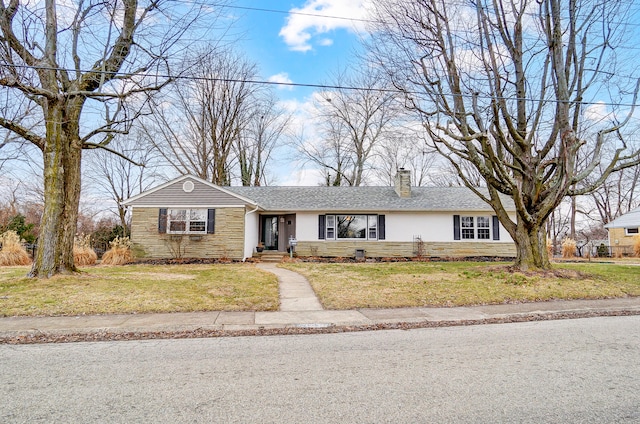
[
  {"x": 496, "y": 228},
  {"x": 321, "y": 227},
  {"x": 211, "y": 221},
  {"x": 381, "y": 227},
  {"x": 162, "y": 221},
  {"x": 456, "y": 227}
]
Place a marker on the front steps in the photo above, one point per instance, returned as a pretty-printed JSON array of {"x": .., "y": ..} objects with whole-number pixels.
[{"x": 271, "y": 256}]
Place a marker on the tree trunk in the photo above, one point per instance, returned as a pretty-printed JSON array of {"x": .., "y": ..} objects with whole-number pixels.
[
  {"x": 531, "y": 248},
  {"x": 122, "y": 214},
  {"x": 62, "y": 158}
]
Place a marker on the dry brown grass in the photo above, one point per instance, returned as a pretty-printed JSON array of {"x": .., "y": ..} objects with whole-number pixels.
[
  {"x": 549, "y": 248},
  {"x": 83, "y": 254},
  {"x": 12, "y": 253},
  {"x": 636, "y": 246},
  {"x": 569, "y": 248},
  {"x": 119, "y": 253},
  {"x": 117, "y": 256}
]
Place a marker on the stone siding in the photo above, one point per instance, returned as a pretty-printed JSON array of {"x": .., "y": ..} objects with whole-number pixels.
[
  {"x": 227, "y": 242},
  {"x": 625, "y": 243},
  {"x": 405, "y": 249}
]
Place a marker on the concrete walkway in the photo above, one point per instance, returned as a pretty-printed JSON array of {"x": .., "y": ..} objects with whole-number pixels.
[{"x": 296, "y": 293}]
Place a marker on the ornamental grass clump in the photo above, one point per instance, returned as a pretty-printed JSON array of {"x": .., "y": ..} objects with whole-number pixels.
[
  {"x": 13, "y": 252},
  {"x": 83, "y": 253},
  {"x": 569, "y": 248},
  {"x": 549, "y": 248},
  {"x": 119, "y": 253},
  {"x": 636, "y": 246}
]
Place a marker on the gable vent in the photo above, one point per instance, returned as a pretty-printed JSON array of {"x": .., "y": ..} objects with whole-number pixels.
[{"x": 188, "y": 186}]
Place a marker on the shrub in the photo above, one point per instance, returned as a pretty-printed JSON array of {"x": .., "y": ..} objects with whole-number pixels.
[
  {"x": 13, "y": 252},
  {"x": 119, "y": 252},
  {"x": 83, "y": 253},
  {"x": 22, "y": 228},
  {"x": 568, "y": 248},
  {"x": 602, "y": 250},
  {"x": 105, "y": 233}
]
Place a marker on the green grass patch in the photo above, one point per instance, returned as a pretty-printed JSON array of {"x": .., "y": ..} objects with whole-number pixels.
[
  {"x": 139, "y": 289},
  {"x": 414, "y": 284}
]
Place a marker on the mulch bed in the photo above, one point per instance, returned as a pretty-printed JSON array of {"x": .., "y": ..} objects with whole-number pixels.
[{"x": 319, "y": 259}]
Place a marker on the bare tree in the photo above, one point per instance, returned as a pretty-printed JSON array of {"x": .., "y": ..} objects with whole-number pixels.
[
  {"x": 197, "y": 130},
  {"x": 618, "y": 194},
  {"x": 253, "y": 149},
  {"x": 502, "y": 86},
  {"x": 119, "y": 178},
  {"x": 353, "y": 120},
  {"x": 18, "y": 110},
  {"x": 406, "y": 148},
  {"x": 86, "y": 67}
]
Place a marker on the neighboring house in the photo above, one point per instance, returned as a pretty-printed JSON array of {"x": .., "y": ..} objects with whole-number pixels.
[
  {"x": 622, "y": 231},
  {"x": 190, "y": 217}
]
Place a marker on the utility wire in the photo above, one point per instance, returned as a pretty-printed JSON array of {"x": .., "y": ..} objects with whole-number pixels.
[{"x": 310, "y": 85}]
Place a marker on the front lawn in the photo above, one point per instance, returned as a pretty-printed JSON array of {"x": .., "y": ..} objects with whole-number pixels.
[
  {"x": 243, "y": 287},
  {"x": 414, "y": 284},
  {"x": 139, "y": 289}
]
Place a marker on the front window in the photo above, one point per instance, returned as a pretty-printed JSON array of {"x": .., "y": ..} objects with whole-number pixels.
[
  {"x": 187, "y": 221},
  {"x": 483, "y": 227},
  {"x": 331, "y": 226},
  {"x": 631, "y": 231},
  {"x": 373, "y": 227},
  {"x": 475, "y": 227},
  {"x": 468, "y": 231},
  {"x": 344, "y": 227},
  {"x": 352, "y": 226}
]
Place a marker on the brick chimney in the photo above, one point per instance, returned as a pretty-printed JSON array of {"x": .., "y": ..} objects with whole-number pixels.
[{"x": 403, "y": 183}]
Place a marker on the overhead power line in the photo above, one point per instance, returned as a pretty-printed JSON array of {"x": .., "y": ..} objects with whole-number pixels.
[
  {"x": 308, "y": 85},
  {"x": 291, "y": 12}
]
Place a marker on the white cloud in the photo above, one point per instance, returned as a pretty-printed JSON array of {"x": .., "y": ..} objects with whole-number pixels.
[
  {"x": 597, "y": 112},
  {"x": 301, "y": 27},
  {"x": 303, "y": 177},
  {"x": 281, "y": 78}
]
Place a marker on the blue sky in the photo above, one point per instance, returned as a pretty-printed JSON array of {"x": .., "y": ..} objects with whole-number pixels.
[
  {"x": 303, "y": 47},
  {"x": 277, "y": 41}
]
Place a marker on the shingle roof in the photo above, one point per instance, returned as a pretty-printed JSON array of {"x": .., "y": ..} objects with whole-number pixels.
[
  {"x": 319, "y": 198},
  {"x": 630, "y": 219}
]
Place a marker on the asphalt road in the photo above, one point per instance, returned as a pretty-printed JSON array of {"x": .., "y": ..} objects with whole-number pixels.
[{"x": 571, "y": 371}]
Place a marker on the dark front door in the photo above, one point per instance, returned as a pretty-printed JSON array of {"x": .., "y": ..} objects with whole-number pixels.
[{"x": 270, "y": 232}]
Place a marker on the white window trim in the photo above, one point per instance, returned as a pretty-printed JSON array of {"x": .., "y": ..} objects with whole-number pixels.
[
  {"x": 627, "y": 233},
  {"x": 187, "y": 220}
]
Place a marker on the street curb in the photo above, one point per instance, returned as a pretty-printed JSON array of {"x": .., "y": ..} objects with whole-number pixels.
[{"x": 38, "y": 337}]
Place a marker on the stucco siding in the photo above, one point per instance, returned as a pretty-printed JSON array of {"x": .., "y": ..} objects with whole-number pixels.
[
  {"x": 403, "y": 227},
  {"x": 251, "y": 237},
  {"x": 227, "y": 242},
  {"x": 434, "y": 229}
]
